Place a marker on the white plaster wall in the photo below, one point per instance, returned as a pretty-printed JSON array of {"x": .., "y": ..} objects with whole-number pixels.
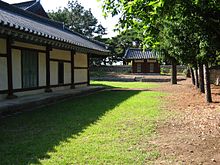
[
  {"x": 53, "y": 73},
  {"x": 80, "y": 60},
  {"x": 3, "y": 74},
  {"x": 80, "y": 75},
  {"x": 42, "y": 69},
  {"x": 16, "y": 68},
  {"x": 60, "y": 54},
  {"x": 3, "y": 46},
  {"x": 26, "y": 45},
  {"x": 67, "y": 73}
]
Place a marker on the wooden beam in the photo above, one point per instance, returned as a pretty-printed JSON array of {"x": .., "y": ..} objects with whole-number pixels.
[
  {"x": 21, "y": 48},
  {"x": 88, "y": 76},
  {"x": 3, "y": 55},
  {"x": 9, "y": 69},
  {"x": 73, "y": 52},
  {"x": 80, "y": 67},
  {"x": 48, "y": 89},
  {"x": 81, "y": 83},
  {"x": 60, "y": 60}
]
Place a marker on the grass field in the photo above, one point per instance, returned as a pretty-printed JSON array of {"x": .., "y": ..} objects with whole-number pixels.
[
  {"x": 117, "y": 84},
  {"x": 111, "y": 127}
]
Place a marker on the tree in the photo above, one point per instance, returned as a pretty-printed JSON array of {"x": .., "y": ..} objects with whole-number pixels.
[
  {"x": 124, "y": 40},
  {"x": 78, "y": 19},
  {"x": 187, "y": 30},
  {"x": 118, "y": 44}
]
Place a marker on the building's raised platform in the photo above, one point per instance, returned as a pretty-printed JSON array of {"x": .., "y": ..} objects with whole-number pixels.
[{"x": 28, "y": 103}]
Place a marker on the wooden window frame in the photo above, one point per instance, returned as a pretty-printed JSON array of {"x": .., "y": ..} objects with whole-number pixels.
[{"x": 22, "y": 81}]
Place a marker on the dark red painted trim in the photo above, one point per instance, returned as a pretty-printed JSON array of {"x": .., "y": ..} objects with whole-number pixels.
[
  {"x": 81, "y": 83},
  {"x": 73, "y": 52},
  {"x": 60, "y": 60},
  {"x": 145, "y": 67},
  {"x": 48, "y": 49},
  {"x": 9, "y": 69},
  {"x": 88, "y": 76},
  {"x": 3, "y": 55},
  {"x": 3, "y": 91},
  {"x": 41, "y": 87},
  {"x": 28, "y": 89},
  {"x": 78, "y": 67}
]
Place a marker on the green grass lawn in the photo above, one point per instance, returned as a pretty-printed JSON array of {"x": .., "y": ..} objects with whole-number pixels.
[
  {"x": 110, "y": 127},
  {"x": 117, "y": 84}
]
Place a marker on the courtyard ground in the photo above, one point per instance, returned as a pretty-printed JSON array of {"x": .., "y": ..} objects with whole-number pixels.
[
  {"x": 129, "y": 123},
  {"x": 192, "y": 134}
]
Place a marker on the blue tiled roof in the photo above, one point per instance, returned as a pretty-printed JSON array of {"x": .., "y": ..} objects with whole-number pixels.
[
  {"x": 136, "y": 53},
  {"x": 13, "y": 17}
]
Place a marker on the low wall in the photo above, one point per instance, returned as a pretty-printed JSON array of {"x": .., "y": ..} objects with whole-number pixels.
[
  {"x": 119, "y": 69},
  {"x": 128, "y": 68},
  {"x": 167, "y": 68},
  {"x": 215, "y": 75}
]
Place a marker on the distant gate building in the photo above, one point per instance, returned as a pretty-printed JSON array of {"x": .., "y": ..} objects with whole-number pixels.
[{"x": 142, "y": 61}]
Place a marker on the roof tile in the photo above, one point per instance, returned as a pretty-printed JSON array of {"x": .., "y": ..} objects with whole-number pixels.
[
  {"x": 136, "y": 53},
  {"x": 31, "y": 23}
]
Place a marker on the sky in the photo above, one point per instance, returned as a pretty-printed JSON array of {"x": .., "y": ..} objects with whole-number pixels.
[{"x": 95, "y": 6}]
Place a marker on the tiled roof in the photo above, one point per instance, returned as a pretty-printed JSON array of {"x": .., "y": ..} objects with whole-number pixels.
[
  {"x": 32, "y": 6},
  {"x": 25, "y": 5},
  {"x": 136, "y": 53},
  {"x": 18, "y": 19}
]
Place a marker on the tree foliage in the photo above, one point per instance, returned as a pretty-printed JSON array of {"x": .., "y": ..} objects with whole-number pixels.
[
  {"x": 187, "y": 31},
  {"x": 78, "y": 19}
]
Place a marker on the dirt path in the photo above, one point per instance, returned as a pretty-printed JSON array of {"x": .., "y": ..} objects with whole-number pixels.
[{"x": 192, "y": 135}]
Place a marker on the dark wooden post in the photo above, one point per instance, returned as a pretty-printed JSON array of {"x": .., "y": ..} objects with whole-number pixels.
[
  {"x": 174, "y": 72},
  {"x": 9, "y": 69},
  {"x": 88, "y": 76},
  {"x": 201, "y": 78},
  {"x": 192, "y": 76},
  {"x": 73, "y": 52},
  {"x": 207, "y": 84},
  {"x": 48, "y": 89}
]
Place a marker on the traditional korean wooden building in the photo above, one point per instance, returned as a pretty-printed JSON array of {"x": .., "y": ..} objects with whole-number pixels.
[
  {"x": 40, "y": 55},
  {"x": 142, "y": 61}
]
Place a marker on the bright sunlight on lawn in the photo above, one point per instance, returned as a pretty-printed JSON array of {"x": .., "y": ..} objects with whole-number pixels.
[
  {"x": 116, "y": 84},
  {"x": 110, "y": 127}
]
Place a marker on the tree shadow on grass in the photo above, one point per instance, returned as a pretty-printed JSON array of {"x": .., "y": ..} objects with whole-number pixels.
[{"x": 28, "y": 137}]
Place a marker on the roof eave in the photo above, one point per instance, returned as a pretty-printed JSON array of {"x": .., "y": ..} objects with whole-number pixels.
[{"x": 22, "y": 34}]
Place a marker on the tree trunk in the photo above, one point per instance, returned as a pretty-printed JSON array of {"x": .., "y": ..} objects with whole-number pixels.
[
  {"x": 192, "y": 76},
  {"x": 201, "y": 78},
  {"x": 188, "y": 75},
  {"x": 207, "y": 84},
  {"x": 196, "y": 77},
  {"x": 174, "y": 73}
]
